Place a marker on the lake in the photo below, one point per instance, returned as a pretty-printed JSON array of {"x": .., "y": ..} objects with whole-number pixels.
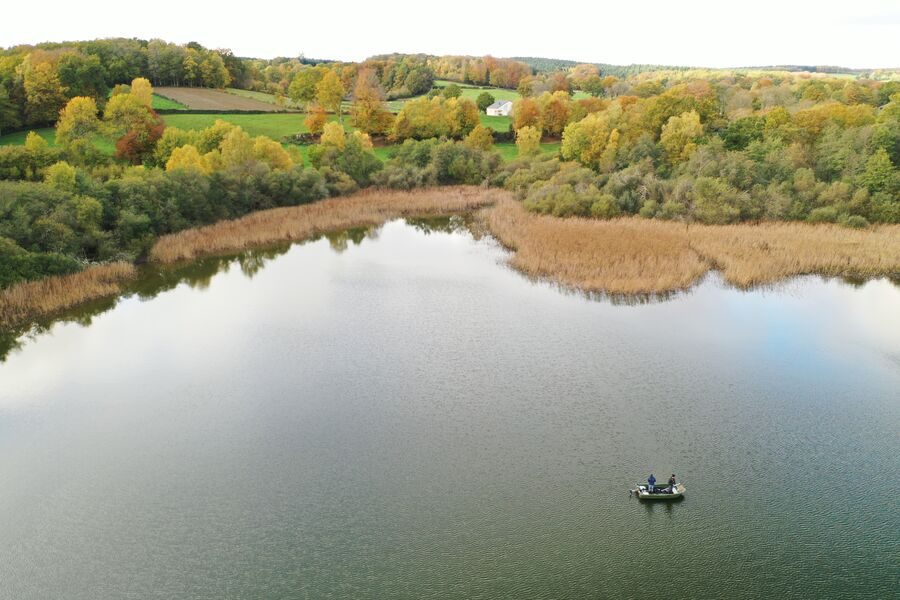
[{"x": 395, "y": 413}]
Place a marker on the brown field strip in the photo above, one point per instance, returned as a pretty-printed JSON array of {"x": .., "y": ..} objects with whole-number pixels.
[{"x": 209, "y": 99}]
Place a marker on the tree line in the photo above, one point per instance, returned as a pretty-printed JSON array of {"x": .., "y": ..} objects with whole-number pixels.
[{"x": 715, "y": 148}]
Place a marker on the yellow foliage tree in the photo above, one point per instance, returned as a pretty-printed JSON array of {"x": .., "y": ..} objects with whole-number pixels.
[
  {"x": 142, "y": 90},
  {"x": 330, "y": 93},
  {"x": 528, "y": 141},
  {"x": 679, "y": 136},
  {"x": 61, "y": 176},
  {"x": 35, "y": 143},
  {"x": 188, "y": 158},
  {"x": 125, "y": 112},
  {"x": 586, "y": 140},
  {"x": 77, "y": 121},
  {"x": 237, "y": 149},
  {"x": 480, "y": 138},
  {"x": 333, "y": 135},
  {"x": 272, "y": 153},
  {"x": 369, "y": 113},
  {"x": 364, "y": 140}
]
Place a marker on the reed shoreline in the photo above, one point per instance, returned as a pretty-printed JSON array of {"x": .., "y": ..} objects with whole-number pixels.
[
  {"x": 622, "y": 257},
  {"x": 635, "y": 256}
]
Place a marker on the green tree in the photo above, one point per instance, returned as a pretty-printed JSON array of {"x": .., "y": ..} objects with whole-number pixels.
[
  {"x": 452, "y": 91},
  {"x": 303, "y": 87},
  {"x": 61, "y": 176},
  {"x": 484, "y": 100},
  {"x": 9, "y": 114}
]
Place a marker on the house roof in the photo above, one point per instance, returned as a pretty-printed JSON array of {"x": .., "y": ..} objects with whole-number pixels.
[{"x": 499, "y": 104}]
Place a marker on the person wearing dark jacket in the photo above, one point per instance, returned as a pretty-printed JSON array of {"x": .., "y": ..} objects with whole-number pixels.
[
  {"x": 651, "y": 481},
  {"x": 672, "y": 483}
]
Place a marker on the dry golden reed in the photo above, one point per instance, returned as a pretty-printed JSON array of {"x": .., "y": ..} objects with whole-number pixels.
[
  {"x": 34, "y": 299},
  {"x": 366, "y": 208},
  {"x": 639, "y": 256}
]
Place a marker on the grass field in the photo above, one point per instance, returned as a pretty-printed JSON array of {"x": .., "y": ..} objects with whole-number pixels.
[
  {"x": 509, "y": 151},
  {"x": 273, "y": 125},
  {"x": 49, "y": 133},
  {"x": 159, "y": 102}
]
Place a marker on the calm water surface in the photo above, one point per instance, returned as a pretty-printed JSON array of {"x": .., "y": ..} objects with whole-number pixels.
[{"x": 396, "y": 414}]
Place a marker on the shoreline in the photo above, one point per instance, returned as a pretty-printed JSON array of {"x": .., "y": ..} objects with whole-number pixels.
[{"x": 626, "y": 257}]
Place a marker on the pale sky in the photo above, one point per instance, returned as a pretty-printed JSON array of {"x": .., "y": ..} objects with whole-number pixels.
[{"x": 715, "y": 33}]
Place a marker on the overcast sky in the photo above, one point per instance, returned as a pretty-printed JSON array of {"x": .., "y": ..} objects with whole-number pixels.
[{"x": 716, "y": 33}]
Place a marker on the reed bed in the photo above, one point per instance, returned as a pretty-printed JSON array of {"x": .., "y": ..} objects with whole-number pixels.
[
  {"x": 26, "y": 301},
  {"x": 638, "y": 256},
  {"x": 367, "y": 208},
  {"x": 751, "y": 255}
]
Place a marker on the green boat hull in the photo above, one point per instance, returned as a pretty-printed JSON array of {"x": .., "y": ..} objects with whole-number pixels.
[{"x": 643, "y": 494}]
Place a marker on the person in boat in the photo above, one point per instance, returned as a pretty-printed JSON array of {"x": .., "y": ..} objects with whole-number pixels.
[
  {"x": 651, "y": 481},
  {"x": 671, "y": 483}
]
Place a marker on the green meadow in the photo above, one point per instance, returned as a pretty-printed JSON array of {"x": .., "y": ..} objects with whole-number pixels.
[
  {"x": 163, "y": 103},
  {"x": 274, "y": 125}
]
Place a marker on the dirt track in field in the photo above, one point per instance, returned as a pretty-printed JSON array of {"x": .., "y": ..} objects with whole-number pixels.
[{"x": 207, "y": 99}]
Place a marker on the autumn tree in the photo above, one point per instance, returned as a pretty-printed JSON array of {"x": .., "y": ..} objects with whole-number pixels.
[
  {"x": 592, "y": 141},
  {"x": 44, "y": 94},
  {"x": 315, "y": 119},
  {"x": 481, "y": 138},
  {"x": 138, "y": 143},
  {"x": 35, "y": 144},
  {"x": 369, "y": 113},
  {"x": 679, "y": 136},
  {"x": 187, "y": 158},
  {"x": 528, "y": 141},
  {"x": 333, "y": 135},
  {"x": 142, "y": 90},
  {"x": 526, "y": 113},
  {"x": 270, "y": 152},
  {"x": 77, "y": 122},
  {"x": 237, "y": 150},
  {"x": 555, "y": 111},
  {"x": 330, "y": 93},
  {"x": 125, "y": 112}
]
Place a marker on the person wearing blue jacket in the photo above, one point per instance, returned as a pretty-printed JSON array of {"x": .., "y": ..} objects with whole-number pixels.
[{"x": 651, "y": 481}]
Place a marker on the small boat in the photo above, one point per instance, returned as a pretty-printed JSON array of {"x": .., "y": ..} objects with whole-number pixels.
[{"x": 660, "y": 492}]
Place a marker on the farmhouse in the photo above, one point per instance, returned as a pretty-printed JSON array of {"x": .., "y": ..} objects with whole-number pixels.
[{"x": 500, "y": 108}]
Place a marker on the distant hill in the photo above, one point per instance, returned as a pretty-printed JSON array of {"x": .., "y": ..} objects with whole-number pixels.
[{"x": 545, "y": 65}]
